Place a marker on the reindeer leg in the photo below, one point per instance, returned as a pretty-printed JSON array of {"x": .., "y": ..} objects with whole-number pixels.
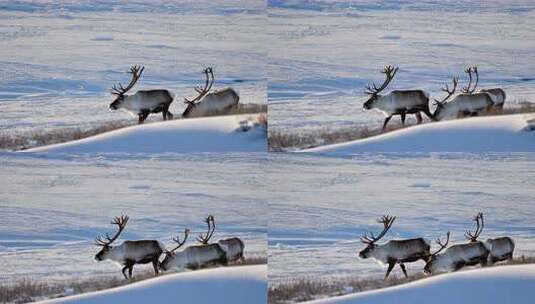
[
  {"x": 418, "y": 118},
  {"x": 390, "y": 267},
  {"x": 386, "y": 122},
  {"x": 124, "y": 272},
  {"x": 155, "y": 265},
  {"x": 403, "y": 269},
  {"x": 130, "y": 269},
  {"x": 403, "y": 116},
  {"x": 142, "y": 116}
]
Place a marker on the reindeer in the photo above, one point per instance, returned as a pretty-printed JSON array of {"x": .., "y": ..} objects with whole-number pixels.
[
  {"x": 467, "y": 103},
  {"x": 206, "y": 102},
  {"x": 497, "y": 94},
  {"x": 456, "y": 256},
  {"x": 500, "y": 249},
  {"x": 233, "y": 247},
  {"x": 142, "y": 103},
  {"x": 498, "y": 97},
  {"x": 394, "y": 251},
  {"x": 128, "y": 253},
  {"x": 193, "y": 257},
  {"x": 397, "y": 102}
]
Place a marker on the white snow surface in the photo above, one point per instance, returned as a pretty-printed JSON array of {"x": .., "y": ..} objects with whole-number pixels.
[
  {"x": 228, "y": 285},
  {"x": 497, "y": 285},
  {"x": 233, "y": 133},
  {"x": 319, "y": 206},
  {"x": 60, "y": 58},
  {"x": 53, "y": 205},
  {"x": 506, "y": 133},
  {"x": 322, "y": 54}
]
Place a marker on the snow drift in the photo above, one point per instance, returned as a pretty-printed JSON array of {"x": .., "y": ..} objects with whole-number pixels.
[
  {"x": 235, "y": 133},
  {"x": 506, "y": 133},
  {"x": 504, "y": 284},
  {"x": 244, "y": 284}
]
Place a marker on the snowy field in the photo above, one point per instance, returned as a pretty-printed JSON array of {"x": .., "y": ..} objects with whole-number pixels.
[
  {"x": 231, "y": 133},
  {"x": 245, "y": 284},
  {"x": 321, "y": 205},
  {"x": 506, "y": 133},
  {"x": 53, "y": 205},
  {"x": 60, "y": 58},
  {"x": 511, "y": 284},
  {"x": 323, "y": 53}
]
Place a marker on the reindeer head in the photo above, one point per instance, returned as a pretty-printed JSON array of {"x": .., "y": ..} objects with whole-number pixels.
[
  {"x": 106, "y": 241},
  {"x": 201, "y": 91},
  {"x": 120, "y": 91},
  {"x": 441, "y": 103},
  {"x": 374, "y": 91},
  {"x": 431, "y": 266},
  {"x": 170, "y": 254},
  {"x": 370, "y": 239}
]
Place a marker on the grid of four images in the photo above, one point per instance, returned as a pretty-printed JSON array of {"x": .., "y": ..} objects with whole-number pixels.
[{"x": 303, "y": 151}]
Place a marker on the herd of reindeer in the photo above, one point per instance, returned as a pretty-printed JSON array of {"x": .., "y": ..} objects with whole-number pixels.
[
  {"x": 444, "y": 259},
  {"x": 144, "y": 102},
  {"x": 397, "y": 102},
  {"x": 403, "y": 102},
  {"x": 197, "y": 256}
]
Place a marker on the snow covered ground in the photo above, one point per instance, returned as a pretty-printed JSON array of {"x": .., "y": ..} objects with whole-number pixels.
[
  {"x": 509, "y": 284},
  {"x": 233, "y": 133},
  {"x": 53, "y": 205},
  {"x": 323, "y": 53},
  {"x": 246, "y": 284},
  {"x": 321, "y": 205},
  {"x": 60, "y": 58},
  {"x": 507, "y": 133}
]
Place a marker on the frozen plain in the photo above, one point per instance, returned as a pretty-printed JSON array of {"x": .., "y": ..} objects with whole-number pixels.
[
  {"x": 321, "y": 206},
  {"x": 323, "y": 53},
  {"x": 53, "y": 205},
  {"x": 62, "y": 57}
]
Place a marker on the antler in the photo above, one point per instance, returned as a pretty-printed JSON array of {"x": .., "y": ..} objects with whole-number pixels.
[
  {"x": 442, "y": 245},
  {"x": 203, "y": 239},
  {"x": 107, "y": 240},
  {"x": 469, "y": 71},
  {"x": 201, "y": 91},
  {"x": 387, "y": 222},
  {"x": 446, "y": 89},
  {"x": 136, "y": 72},
  {"x": 480, "y": 223},
  {"x": 179, "y": 242},
  {"x": 389, "y": 72}
]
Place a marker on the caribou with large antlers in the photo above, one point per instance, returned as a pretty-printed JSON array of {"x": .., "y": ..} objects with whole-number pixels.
[
  {"x": 457, "y": 256},
  {"x": 209, "y": 103},
  {"x": 497, "y": 94},
  {"x": 142, "y": 103},
  {"x": 128, "y": 253},
  {"x": 394, "y": 251},
  {"x": 398, "y": 102},
  {"x": 467, "y": 103},
  {"x": 193, "y": 257},
  {"x": 500, "y": 249},
  {"x": 233, "y": 247}
]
